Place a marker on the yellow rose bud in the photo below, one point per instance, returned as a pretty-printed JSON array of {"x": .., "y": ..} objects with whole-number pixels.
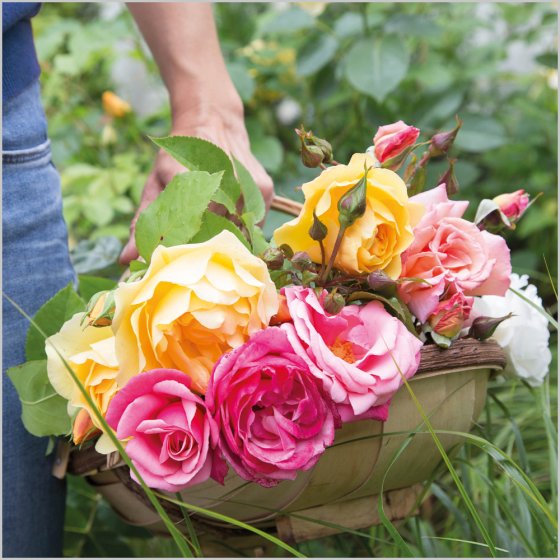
[
  {"x": 194, "y": 303},
  {"x": 90, "y": 352},
  {"x": 113, "y": 105},
  {"x": 374, "y": 241},
  {"x": 83, "y": 429}
]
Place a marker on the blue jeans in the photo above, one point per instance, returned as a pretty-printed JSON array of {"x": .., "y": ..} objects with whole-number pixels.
[{"x": 35, "y": 265}]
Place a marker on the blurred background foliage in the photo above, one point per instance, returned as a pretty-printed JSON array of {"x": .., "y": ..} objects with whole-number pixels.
[{"x": 342, "y": 69}]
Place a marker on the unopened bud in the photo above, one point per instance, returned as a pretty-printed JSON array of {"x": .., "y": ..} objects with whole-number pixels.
[
  {"x": 442, "y": 141},
  {"x": 484, "y": 327},
  {"x": 311, "y": 156},
  {"x": 274, "y": 258},
  {"x": 100, "y": 309},
  {"x": 380, "y": 282},
  {"x": 287, "y": 250},
  {"x": 302, "y": 261},
  {"x": 449, "y": 179},
  {"x": 333, "y": 303},
  {"x": 318, "y": 230},
  {"x": 325, "y": 148},
  {"x": 352, "y": 205}
]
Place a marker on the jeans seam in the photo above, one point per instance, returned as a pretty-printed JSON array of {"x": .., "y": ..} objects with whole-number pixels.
[{"x": 27, "y": 155}]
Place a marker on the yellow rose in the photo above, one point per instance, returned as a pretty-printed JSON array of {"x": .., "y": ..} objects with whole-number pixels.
[
  {"x": 376, "y": 240},
  {"x": 113, "y": 105},
  {"x": 90, "y": 352},
  {"x": 194, "y": 303}
]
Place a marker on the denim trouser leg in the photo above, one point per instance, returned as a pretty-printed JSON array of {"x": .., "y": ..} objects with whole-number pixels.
[{"x": 35, "y": 265}]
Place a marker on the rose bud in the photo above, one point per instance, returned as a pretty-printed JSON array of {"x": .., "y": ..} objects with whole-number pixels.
[
  {"x": 393, "y": 139},
  {"x": 352, "y": 205},
  {"x": 442, "y": 141},
  {"x": 318, "y": 230},
  {"x": 333, "y": 303},
  {"x": 449, "y": 179},
  {"x": 113, "y": 105},
  {"x": 325, "y": 148},
  {"x": 274, "y": 258},
  {"x": 283, "y": 314},
  {"x": 311, "y": 156},
  {"x": 513, "y": 205},
  {"x": 483, "y": 328},
  {"x": 378, "y": 281},
  {"x": 84, "y": 428},
  {"x": 100, "y": 309},
  {"x": 450, "y": 315}
]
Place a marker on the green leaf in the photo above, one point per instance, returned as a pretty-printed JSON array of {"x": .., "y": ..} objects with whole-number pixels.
[
  {"x": 244, "y": 83},
  {"x": 258, "y": 241},
  {"x": 479, "y": 134},
  {"x": 175, "y": 216},
  {"x": 377, "y": 67},
  {"x": 43, "y": 411},
  {"x": 50, "y": 318},
  {"x": 137, "y": 266},
  {"x": 252, "y": 197},
  {"x": 441, "y": 341},
  {"x": 197, "y": 154},
  {"x": 287, "y": 21},
  {"x": 90, "y": 255},
  {"x": 549, "y": 59},
  {"x": 269, "y": 151},
  {"x": 316, "y": 54},
  {"x": 212, "y": 224},
  {"x": 91, "y": 285}
]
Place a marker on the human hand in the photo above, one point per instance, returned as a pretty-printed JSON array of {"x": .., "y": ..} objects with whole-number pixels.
[{"x": 230, "y": 135}]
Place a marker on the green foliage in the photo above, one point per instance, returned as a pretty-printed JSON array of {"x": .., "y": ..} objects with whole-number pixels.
[
  {"x": 50, "y": 318},
  {"x": 91, "y": 285},
  {"x": 176, "y": 215},
  {"x": 43, "y": 411}
]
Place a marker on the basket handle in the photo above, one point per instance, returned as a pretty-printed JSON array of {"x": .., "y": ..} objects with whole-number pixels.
[{"x": 286, "y": 205}]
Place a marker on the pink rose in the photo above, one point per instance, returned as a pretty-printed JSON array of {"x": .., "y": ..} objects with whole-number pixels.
[
  {"x": 392, "y": 139},
  {"x": 173, "y": 438},
  {"x": 450, "y": 315},
  {"x": 357, "y": 353},
  {"x": 273, "y": 416},
  {"x": 514, "y": 204},
  {"x": 450, "y": 252}
]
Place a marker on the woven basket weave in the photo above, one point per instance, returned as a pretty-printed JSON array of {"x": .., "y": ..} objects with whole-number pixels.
[{"x": 343, "y": 487}]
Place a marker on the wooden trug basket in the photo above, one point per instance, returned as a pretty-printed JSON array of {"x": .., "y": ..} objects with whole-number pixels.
[{"x": 344, "y": 487}]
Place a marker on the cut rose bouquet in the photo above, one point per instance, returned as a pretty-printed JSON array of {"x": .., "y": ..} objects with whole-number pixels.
[{"x": 220, "y": 348}]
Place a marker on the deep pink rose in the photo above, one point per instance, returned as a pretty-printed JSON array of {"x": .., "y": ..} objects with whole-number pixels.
[
  {"x": 513, "y": 204},
  {"x": 449, "y": 252},
  {"x": 273, "y": 415},
  {"x": 357, "y": 353},
  {"x": 392, "y": 139},
  {"x": 450, "y": 315},
  {"x": 173, "y": 437}
]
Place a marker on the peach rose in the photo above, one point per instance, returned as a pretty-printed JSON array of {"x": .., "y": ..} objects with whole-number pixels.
[
  {"x": 449, "y": 251},
  {"x": 194, "y": 303}
]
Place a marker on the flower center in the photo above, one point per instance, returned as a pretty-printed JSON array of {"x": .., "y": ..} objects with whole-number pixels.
[{"x": 344, "y": 350}]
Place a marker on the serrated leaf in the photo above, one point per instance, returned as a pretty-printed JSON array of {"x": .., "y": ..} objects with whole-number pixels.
[
  {"x": 91, "y": 285},
  {"x": 197, "y": 154},
  {"x": 258, "y": 241},
  {"x": 176, "y": 214},
  {"x": 43, "y": 411},
  {"x": 377, "y": 67},
  {"x": 212, "y": 225},
  {"x": 50, "y": 318},
  {"x": 252, "y": 197}
]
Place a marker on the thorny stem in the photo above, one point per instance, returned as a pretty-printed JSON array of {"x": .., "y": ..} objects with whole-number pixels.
[{"x": 336, "y": 247}]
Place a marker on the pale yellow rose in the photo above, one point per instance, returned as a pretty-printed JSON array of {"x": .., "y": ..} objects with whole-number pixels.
[
  {"x": 194, "y": 303},
  {"x": 377, "y": 239},
  {"x": 90, "y": 352}
]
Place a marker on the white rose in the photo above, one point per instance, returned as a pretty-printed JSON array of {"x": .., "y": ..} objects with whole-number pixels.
[{"x": 524, "y": 337}]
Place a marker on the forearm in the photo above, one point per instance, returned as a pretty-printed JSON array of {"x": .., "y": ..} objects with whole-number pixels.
[{"x": 185, "y": 46}]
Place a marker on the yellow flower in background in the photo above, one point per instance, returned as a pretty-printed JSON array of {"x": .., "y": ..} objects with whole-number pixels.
[
  {"x": 377, "y": 239},
  {"x": 194, "y": 303},
  {"x": 114, "y": 106},
  {"x": 90, "y": 352}
]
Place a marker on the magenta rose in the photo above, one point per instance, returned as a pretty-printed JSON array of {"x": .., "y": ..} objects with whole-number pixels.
[
  {"x": 273, "y": 416},
  {"x": 393, "y": 139},
  {"x": 173, "y": 438},
  {"x": 449, "y": 252},
  {"x": 357, "y": 354}
]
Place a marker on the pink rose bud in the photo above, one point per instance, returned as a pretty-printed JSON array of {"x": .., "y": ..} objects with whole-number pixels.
[
  {"x": 514, "y": 204},
  {"x": 450, "y": 315},
  {"x": 393, "y": 139}
]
